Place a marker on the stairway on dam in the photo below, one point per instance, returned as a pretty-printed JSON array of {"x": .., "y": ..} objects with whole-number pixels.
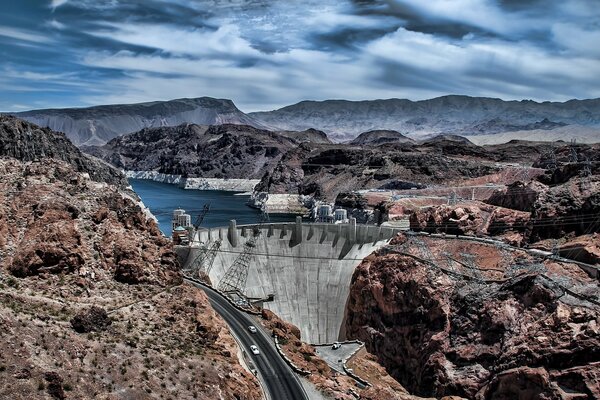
[{"x": 308, "y": 268}]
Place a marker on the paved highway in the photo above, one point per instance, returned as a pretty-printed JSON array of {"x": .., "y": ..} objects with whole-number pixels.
[{"x": 279, "y": 380}]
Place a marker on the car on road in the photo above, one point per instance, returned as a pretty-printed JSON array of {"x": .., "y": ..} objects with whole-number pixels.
[
  {"x": 254, "y": 350},
  {"x": 336, "y": 346},
  {"x": 252, "y": 329}
]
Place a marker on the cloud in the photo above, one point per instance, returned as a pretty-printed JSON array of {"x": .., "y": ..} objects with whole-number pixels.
[
  {"x": 57, "y": 3},
  {"x": 265, "y": 54},
  {"x": 506, "y": 68},
  {"x": 24, "y": 35},
  {"x": 225, "y": 40},
  {"x": 577, "y": 40},
  {"x": 56, "y": 24}
]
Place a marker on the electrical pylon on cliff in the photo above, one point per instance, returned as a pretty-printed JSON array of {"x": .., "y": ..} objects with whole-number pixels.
[
  {"x": 586, "y": 173},
  {"x": 236, "y": 276},
  {"x": 552, "y": 163},
  {"x": 573, "y": 155},
  {"x": 203, "y": 261}
]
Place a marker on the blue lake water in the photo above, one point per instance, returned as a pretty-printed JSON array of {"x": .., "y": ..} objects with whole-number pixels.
[{"x": 163, "y": 198}]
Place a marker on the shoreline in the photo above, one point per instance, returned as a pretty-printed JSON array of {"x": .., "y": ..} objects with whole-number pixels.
[
  {"x": 226, "y": 185},
  {"x": 279, "y": 204}
]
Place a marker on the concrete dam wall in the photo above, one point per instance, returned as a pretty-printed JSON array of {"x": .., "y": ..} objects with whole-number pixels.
[{"x": 307, "y": 267}]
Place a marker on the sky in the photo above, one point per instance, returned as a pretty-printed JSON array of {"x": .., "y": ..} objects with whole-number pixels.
[{"x": 265, "y": 54}]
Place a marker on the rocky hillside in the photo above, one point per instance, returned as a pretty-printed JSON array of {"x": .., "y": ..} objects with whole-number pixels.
[
  {"x": 309, "y": 135},
  {"x": 508, "y": 327},
  {"x": 97, "y": 125},
  {"x": 579, "y": 133},
  {"x": 378, "y": 137},
  {"x": 344, "y": 120},
  {"x": 562, "y": 204},
  {"x": 451, "y": 316},
  {"x": 27, "y": 142},
  {"x": 325, "y": 171},
  {"x": 218, "y": 151},
  {"x": 91, "y": 300}
]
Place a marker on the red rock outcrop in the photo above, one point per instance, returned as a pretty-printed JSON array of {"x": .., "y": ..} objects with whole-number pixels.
[
  {"x": 571, "y": 208},
  {"x": 472, "y": 218},
  {"x": 326, "y": 380},
  {"x": 59, "y": 221},
  {"x": 585, "y": 248},
  {"x": 503, "y": 331},
  {"x": 518, "y": 196},
  {"x": 76, "y": 250}
]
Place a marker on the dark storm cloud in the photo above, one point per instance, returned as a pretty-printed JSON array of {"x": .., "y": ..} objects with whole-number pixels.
[{"x": 267, "y": 53}]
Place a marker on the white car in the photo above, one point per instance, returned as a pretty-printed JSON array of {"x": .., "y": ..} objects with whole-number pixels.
[
  {"x": 254, "y": 349},
  {"x": 336, "y": 346},
  {"x": 252, "y": 329}
]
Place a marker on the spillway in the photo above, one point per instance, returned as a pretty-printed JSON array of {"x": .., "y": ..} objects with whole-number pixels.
[{"x": 307, "y": 267}]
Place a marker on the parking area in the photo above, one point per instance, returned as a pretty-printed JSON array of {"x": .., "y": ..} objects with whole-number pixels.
[{"x": 335, "y": 357}]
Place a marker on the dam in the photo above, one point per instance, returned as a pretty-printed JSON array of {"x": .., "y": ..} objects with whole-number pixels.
[{"x": 307, "y": 267}]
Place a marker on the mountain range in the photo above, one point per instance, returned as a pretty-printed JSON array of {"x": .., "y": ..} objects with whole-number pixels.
[
  {"x": 461, "y": 115},
  {"x": 340, "y": 120},
  {"x": 98, "y": 125}
]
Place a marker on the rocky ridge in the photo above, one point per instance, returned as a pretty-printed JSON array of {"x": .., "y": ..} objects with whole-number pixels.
[
  {"x": 27, "y": 142},
  {"x": 463, "y": 115},
  {"x": 378, "y": 137},
  {"x": 308, "y": 171},
  {"x": 189, "y": 150},
  {"x": 92, "y": 303},
  {"x": 326, "y": 380},
  {"x": 98, "y": 125}
]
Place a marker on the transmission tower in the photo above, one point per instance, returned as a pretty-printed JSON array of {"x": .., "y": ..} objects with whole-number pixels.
[
  {"x": 236, "y": 276},
  {"x": 424, "y": 252},
  {"x": 450, "y": 262},
  {"x": 508, "y": 262},
  {"x": 552, "y": 162},
  {"x": 203, "y": 261},
  {"x": 555, "y": 248},
  {"x": 573, "y": 156},
  {"x": 586, "y": 173},
  {"x": 423, "y": 249}
]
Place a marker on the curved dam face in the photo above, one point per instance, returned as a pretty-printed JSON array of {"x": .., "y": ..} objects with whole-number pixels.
[{"x": 307, "y": 267}]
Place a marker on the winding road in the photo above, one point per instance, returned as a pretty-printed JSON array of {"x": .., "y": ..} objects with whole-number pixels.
[{"x": 278, "y": 379}]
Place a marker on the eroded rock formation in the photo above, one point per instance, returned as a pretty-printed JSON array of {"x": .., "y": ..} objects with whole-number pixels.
[
  {"x": 75, "y": 249},
  {"x": 28, "y": 142},
  {"x": 507, "y": 330}
]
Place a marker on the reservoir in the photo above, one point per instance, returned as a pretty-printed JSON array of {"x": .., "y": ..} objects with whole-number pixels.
[{"x": 163, "y": 198}]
